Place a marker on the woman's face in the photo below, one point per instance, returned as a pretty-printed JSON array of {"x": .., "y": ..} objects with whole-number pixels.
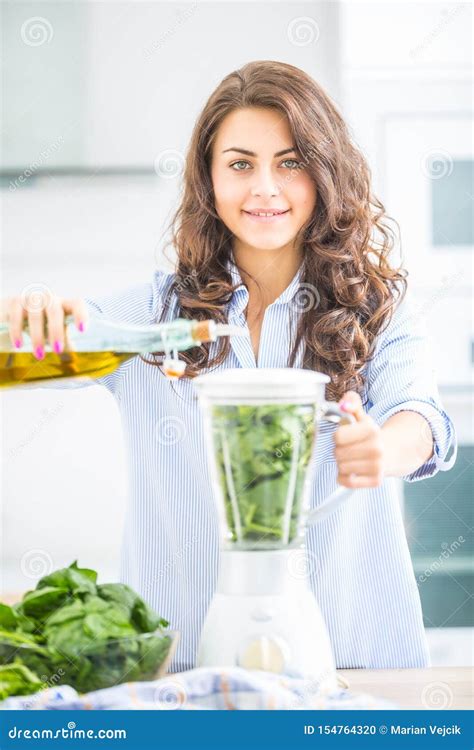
[{"x": 254, "y": 168}]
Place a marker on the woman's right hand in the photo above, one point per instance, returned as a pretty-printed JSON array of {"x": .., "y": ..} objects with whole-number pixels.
[{"x": 15, "y": 310}]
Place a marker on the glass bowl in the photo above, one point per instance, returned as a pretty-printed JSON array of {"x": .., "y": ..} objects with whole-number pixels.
[{"x": 138, "y": 658}]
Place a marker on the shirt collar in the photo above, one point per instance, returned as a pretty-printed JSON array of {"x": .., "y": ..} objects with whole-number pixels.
[{"x": 240, "y": 296}]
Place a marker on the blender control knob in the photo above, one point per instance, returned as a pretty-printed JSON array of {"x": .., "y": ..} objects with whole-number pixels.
[
  {"x": 266, "y": 652},
  {"x": 259, "y": 614}
]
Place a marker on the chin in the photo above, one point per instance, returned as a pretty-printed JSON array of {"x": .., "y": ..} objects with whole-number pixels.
[{"x": 269, "y": 243}]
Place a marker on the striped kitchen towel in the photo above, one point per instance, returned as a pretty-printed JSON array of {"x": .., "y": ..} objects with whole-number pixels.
[{"x": 204, "y": 688}]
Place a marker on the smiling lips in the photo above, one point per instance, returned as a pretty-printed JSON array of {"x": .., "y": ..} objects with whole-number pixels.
[{"x": 269, "y": 215}]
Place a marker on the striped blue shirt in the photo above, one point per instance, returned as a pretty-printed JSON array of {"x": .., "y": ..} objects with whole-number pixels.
[{"x": 359, "y": 563}]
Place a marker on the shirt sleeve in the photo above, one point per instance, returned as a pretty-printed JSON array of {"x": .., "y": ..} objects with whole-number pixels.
[
  {"x": 136, "y": 305},
  {"x": 401, "y": 377}
]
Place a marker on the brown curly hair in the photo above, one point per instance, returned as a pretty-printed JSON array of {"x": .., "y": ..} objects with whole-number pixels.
[{"x": 346, "y": 242}]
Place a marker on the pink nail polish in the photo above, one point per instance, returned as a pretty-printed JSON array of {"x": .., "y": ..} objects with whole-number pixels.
[
  {"x": 18, "y": 343},
  {"x": 58, "y": 347},
  {"x": 345, "y": 405},
  {"x": 39, "y": 351},
  {"x": 81, "y": 326}
]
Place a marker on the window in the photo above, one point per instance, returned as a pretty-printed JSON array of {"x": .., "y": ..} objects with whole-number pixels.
[
  {"x": 438, "y": 513},
  {"x": 451, "y": 202}
]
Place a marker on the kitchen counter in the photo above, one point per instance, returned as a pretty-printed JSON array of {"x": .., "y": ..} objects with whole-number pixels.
[{"x": 433, "y": 688}]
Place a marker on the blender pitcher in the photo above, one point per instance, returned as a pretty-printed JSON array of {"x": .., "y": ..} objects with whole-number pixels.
[{"x": 261, "y": 431}]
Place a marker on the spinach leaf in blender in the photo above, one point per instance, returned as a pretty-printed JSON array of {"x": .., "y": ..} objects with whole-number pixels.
[{"x": 262, "y": 453}]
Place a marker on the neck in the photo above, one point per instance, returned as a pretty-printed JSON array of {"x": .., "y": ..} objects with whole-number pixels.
[{"x": 266, "y": 273}]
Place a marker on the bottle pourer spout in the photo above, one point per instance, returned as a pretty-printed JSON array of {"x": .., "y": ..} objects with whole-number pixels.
[
  {"x": 228, "y": 329},
  {"x": 209, "y": 330}
]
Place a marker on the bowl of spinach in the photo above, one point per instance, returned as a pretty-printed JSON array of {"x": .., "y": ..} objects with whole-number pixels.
[
  {"x": 261, "y": 455},
  {"x": 72, "y": 630}
]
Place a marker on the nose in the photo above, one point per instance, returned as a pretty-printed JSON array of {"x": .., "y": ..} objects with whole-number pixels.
[{"x": 265, "y": 184}]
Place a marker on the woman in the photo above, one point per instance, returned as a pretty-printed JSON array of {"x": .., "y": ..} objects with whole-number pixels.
[{"x": 313, "y": 283}]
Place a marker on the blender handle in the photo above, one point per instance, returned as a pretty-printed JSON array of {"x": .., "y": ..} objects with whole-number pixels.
[{"x": 332, "y": 413}]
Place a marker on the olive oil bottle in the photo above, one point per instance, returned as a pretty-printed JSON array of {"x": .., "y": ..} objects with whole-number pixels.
[{"x": 103, "y": 347}]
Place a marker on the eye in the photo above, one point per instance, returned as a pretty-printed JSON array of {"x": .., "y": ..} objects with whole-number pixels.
[
  {"x": 241, "y": 161},
  {"x": 295, "y": 162}
]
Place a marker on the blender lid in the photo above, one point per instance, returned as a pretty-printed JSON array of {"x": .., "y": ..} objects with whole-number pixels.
[{"x": 262, "y": 384}]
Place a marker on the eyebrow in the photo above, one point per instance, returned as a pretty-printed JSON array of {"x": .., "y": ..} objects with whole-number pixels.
[{"x": 252, "y": 153}]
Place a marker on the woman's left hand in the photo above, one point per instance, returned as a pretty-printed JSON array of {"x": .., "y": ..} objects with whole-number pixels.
[{"x": 358, "y": 447}]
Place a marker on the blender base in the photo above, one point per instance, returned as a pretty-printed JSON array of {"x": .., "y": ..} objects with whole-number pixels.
[{"x": 265, "y": 616}]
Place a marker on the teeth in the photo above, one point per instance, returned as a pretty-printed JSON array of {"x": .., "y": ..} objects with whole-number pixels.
[{"x": 274, "y": 213}]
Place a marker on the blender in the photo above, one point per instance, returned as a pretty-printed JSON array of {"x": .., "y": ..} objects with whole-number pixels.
[{"x": 260, "y": 429}]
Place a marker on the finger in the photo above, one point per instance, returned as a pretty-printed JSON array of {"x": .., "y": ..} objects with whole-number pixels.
[
  {"x": 36, "y": 329},
  {"x": 353, "y": 481},
  {"x": 15, "y": 317},
  {"x": 352, "y": 403},
  {"x": 352, "y": 433},
  {"x": 366, "y": 449},
  {"x": 77, "y": 308},
  {"x": 4, "y": 305},
  {"x": 361, "y": 468},
  {"x": 55, "y": 318}
]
